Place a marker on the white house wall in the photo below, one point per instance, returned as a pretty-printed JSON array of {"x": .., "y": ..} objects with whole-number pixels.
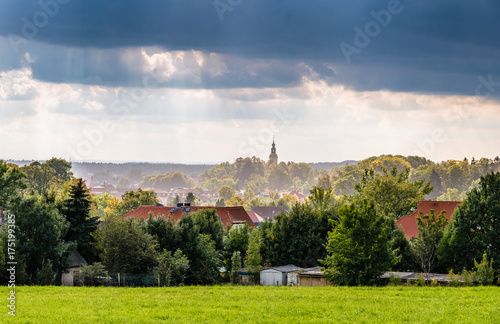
[{"x": 268, "y": 278}]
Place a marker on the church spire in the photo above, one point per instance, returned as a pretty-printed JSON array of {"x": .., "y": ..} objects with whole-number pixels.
[{"x": 273, "y": 157}]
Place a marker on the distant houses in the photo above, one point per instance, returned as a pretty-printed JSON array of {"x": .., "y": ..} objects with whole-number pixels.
[
  {"x": 300, "y": 197},
  {"x": 232, "y": 216}
]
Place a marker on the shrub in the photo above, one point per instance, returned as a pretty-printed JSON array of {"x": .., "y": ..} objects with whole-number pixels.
[
  {"x": 420, "y": 281},
  {"x": 394, "y": 280},
  {"x": 236, "y": 267},
  {"x": 92, "y": 275},
  {"x": 453, "y": 279},
  {"x": 171, "y": 269},
  {"x": 485, "y": 272},
  {"x": 46, "y": 275},
  {"x": 469, "y": 277}
]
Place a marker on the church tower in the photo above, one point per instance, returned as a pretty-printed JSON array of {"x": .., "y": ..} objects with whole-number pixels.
[{"x": 273, "y": 157}]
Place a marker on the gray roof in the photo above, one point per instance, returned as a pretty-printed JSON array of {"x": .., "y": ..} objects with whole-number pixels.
[
  {"x": 75, "y": 260},
  {"x": 316, "y": 271},
  {"x": 415, "y": 275},
  {"x": 268, "y": 212},
  {"x": 286, "y": 268}
]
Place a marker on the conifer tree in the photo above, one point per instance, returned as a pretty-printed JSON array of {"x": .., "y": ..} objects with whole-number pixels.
[{"x": 76, "y": 209}]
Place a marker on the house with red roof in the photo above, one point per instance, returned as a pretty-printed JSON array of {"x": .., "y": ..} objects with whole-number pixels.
[
  {"x": 255, "y": 218},
  {"x": 232, "y": 216},
  {"x": 409, "y": 222},
  {"x": 300, "y": 197}
]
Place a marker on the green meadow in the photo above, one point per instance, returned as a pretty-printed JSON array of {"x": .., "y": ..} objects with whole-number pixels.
[{"x": 238, "y": 304}]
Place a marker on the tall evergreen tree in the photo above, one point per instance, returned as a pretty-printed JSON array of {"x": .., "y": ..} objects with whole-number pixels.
[{"x": 76, "y": 209}]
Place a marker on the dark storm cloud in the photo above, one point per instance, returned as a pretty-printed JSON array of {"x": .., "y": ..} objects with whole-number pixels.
[{"x": 427, "y": 46}]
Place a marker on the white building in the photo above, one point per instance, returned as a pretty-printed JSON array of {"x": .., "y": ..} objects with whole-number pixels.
[{"x": 278, "y": 276}]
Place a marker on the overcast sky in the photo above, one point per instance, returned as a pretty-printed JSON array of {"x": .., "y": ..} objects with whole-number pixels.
[{"x": 209, "y": 81}]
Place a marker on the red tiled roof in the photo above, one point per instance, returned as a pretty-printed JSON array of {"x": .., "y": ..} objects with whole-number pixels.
[
  {"x": 409, "y": 222},
  {"x": 227, "y": 215},
  {"x": 297, "y": 194},
  {"x": 255, "y": 218}
]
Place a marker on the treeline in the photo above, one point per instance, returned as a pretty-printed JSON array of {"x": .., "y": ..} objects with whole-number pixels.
[
  {"x": 86, "y": 169},
  {"x": 450, "y": 179},
  {"x": 252, "y": 174},
  {"x": 353, "y": 236}
]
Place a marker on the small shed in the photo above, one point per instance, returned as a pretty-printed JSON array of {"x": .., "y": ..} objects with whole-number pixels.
[
  {"x": 248, "y": 278},
  {"x": 312, "y": 277},
  {"x": 277, "y": 276},
  {"x": 412, "y": 277},
  {"x": 75, "y": 263}
]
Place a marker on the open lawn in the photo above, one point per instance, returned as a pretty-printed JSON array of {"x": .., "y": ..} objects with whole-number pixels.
[{"x": 220, "y": 304}]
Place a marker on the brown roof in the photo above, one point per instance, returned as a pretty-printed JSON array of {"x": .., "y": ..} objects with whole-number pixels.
[
  {"x": 409, "y": 222},
  {"x": 227, "y": 215}
]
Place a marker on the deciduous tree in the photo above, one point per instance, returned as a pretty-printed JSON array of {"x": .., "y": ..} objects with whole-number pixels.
[
  {"x": 430, "y": 232},
  {"x": 297, "y": 238},
  {"x": 40, "y": 230},
  {"x": 171, "y": 269},
  {"x": 392, "y": 193},
  {"x": 253, "y": 259},
  {"x": 236, "y": 239},
  {"x": 39, "y": 177},
  {"x": 61, "y": 167},
  {"x": 11, "y": 181},
  {"x": 226, "y": 192},
  {"x": 134, "y": 199},
  {"x": 358, "y": 248},
  {"x": 125, "y": 247}
]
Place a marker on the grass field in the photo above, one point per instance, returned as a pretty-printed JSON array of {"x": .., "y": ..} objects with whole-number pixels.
[{"x": 222, "y": 304}]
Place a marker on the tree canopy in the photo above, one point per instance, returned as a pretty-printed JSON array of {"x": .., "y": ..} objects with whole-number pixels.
[
  {"x": 358, "y": 247},
  {"x": 40, "y": 230},
  {"x": 125, "y": 247},
  {"x": 392, "y": 193},
  {"x": 11, "y": 181},
  {"x": 475, "y": 227}
]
